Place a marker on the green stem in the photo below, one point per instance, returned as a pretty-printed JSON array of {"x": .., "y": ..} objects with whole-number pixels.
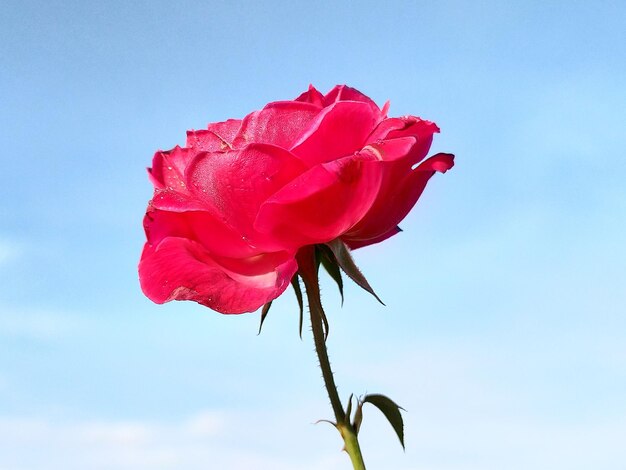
[
  {"x": 308, "y": 271},
  {"x": 352, "y": 446}
]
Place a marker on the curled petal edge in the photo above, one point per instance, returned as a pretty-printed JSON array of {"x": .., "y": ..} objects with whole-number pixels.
[{"x": 181, "y": 269}]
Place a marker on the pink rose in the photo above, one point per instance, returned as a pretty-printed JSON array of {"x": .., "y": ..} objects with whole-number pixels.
[{"x": 232, "y": 208}]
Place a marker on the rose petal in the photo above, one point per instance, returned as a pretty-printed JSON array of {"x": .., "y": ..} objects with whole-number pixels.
[
  {"x": 338, "y": 131},
  {"x": 280, "y": 123},
  {"x": 423, "y": 131},
  {"x": 167, "y": 175},
  {"x": 385, "y": 109},
  {"x": 234, "y": 184},
  {"x": 312, "y": 96},
  {"x": 393, "y": 204},
  {"x": 168, "y": 168},
  {"x": 391, "y": 149},
  {"x": 322, "y": 203},
  {"x": 226, "y": 130},
  {"x": 354, "y": 244},
  {"x": 170, "y": 200},
  {"x": 393, "y": 128},
  {"x": 218, "y": 136},
  {"x": 181, "y": 269},
  {"x": 213, "y": 234},
  {"x": 207, "y": 141},
  {"x": 406, "y": 142},
  {"x": 346, "y": 93},
  {"x": 394, "y": 157},
  {"x": 386, "y": 126}
]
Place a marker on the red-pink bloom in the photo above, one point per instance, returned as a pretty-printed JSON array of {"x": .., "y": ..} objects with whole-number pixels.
[{"x": 231, "y": 209}]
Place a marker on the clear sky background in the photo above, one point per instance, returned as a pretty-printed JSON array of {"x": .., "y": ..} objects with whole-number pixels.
[{"x": 504, "y": 334}]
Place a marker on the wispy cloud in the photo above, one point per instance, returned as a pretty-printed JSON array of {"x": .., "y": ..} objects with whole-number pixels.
[
  {"x": 205, "y": 440},
  {"x": 37, "y": 325},
  {"x": 476, "y": 406},
  {"x": 461, "y": 417}
]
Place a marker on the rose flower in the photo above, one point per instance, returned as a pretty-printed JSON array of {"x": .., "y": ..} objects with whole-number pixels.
[{"x": 232, "y": 208}]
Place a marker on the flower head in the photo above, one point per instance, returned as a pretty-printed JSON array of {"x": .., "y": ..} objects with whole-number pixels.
[{"x": 232, "y": 208}]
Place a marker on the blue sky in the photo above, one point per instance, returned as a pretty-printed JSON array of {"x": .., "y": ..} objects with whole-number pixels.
[{"x": 504, "y": 330}]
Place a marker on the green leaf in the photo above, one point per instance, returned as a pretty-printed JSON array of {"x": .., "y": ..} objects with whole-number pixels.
[
  {"x": 264, "y": 312},
  {"x": 295, "y": 282},
  {"x": 345, "y": 261},
  {"x": 391, "y": 411},
  {"x": 329, "y": 262}
]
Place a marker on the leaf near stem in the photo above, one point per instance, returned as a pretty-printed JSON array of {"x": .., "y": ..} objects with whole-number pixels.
[{"x": 390, "y": 409}]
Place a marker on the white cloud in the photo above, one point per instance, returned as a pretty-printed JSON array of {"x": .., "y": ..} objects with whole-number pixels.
[
  {"x": 205, "y": 440},
  {"x": 38, "y": 325},
  {"x": 204, "y": 424},
  {"x": 480, "y": 407},
  {"x": 460, "y": 417},
  {"x": 116, "y": 434}
]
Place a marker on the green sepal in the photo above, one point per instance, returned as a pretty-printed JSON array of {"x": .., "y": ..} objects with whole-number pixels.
[
  {"x": 325, "y": 421},
  {"x": 358, "y": 418},
  {"x": 391, "y": 410},
  {"x": 349, "y": 408},
  {"x": 318, "y": 261},
  {"x": 309, "y": 274},
  {"x": 295, "y": 283},
  {"x": 346, "y": 262},
  {"x": 325, "y": 324},
  {"x": 264, "y": 312},
  {"x": 328, "y": 260}
]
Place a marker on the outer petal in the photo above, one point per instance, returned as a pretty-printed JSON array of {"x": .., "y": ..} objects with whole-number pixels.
[
  {"x": 338, "y": 131},
  {"x": 200, "y": 226},
  {"x": 423, "y": 131},
  {"x": 392, "y": 155},
  {"x": 280, "y": 123},
  {"x": 312, "y": 96},
  {"x": 168, "y": 168},
  {"x": 386, "y": 126},
  {"x": 168, "y": 176},
  {"x": 169, "y": 200},
  {"x": 346, "y": 93},
  {"x": 234, "y": 184},
  {"x": 207, "y": 140},
  {"x": 321, "y": 204},
  {"x": 398, "y": 127},
  {"x": 181, "y": 269},
  {"x": 400, "y": 143},
  {"x": 354, "y": 244},
  {"x": 392, "y": 206},
  {"x": 392, "y": 150},
  {"x": 394, "y": 128},
  {"x": 217, "y": 137}
]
